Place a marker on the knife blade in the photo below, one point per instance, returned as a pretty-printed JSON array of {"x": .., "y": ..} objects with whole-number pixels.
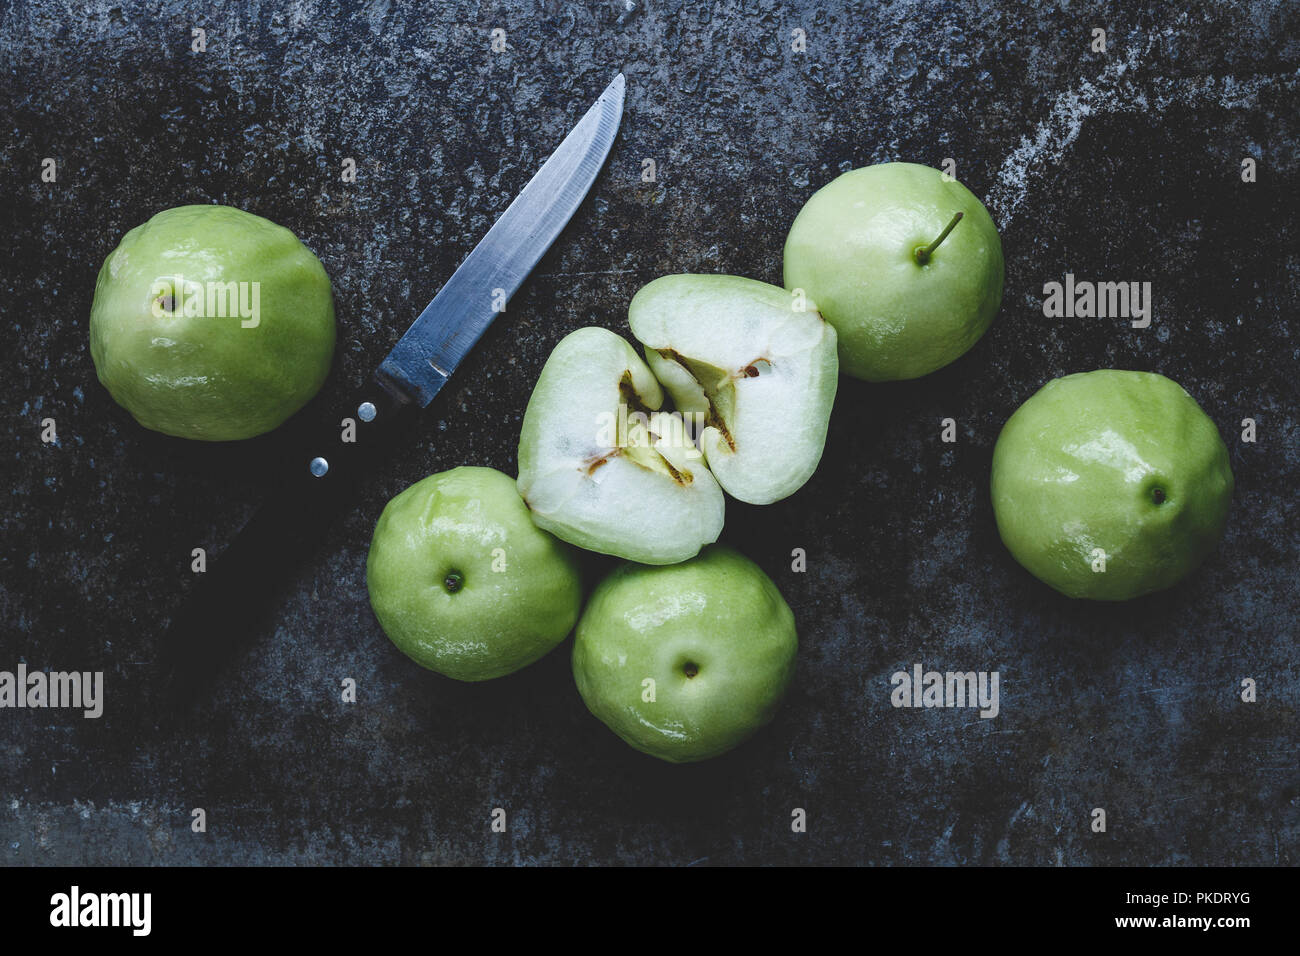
[
  {"x": 222, "y": 610},
  {"x": 459, "y": 314}
]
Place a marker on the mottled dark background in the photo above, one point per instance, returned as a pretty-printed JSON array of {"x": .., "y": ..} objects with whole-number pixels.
[{"x": 1116, "y": 166}]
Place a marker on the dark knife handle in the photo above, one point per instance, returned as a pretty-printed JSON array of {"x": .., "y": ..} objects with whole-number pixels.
[{"x": 320, "y": 480}]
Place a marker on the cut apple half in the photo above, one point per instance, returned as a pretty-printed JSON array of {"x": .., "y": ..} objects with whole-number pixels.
[
  {"x": 603, "y": 467},
  {"x": 756, "y": 364}
]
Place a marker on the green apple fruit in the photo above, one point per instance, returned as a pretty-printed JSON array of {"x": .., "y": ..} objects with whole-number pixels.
[
  {"x": 754, "y": 365},
  {"x": 464, "y": 583},
  {"x": 684, "y": 662},
  {"x": 1110, "y": 484},
  {"x": 211, "y": 323},
  {"x": 603, "y": 468},
  {"x": 904, "y": 261}
]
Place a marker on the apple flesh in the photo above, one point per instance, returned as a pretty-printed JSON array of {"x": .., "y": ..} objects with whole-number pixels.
[
  {"x": 756, "y": 365},
  {"x": 602, "y": 467},
  {"x": 685, "y": 662},
  {"x": 854, "y": 249}
]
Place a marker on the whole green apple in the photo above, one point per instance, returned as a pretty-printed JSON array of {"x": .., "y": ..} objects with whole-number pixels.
[
  {"x": 685, "y": 661},
  {"x": 464, "y": 583},
  {"x": 1110, "y": 484},
  {"x": 904, "y": 262},
  {"x": 212, "y": 323}
]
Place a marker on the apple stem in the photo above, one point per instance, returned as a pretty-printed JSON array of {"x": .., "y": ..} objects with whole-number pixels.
[{"x": 924, "y": 252}]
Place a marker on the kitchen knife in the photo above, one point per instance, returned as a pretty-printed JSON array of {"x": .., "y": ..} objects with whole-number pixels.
[{"x": 321, "y": 477}]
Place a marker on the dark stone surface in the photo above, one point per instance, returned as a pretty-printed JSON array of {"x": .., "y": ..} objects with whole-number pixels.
[{"x": 1115, "y": 166}]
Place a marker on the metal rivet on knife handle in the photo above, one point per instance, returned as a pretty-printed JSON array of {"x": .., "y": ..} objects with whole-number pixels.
[{"x": 319, "y": 467}]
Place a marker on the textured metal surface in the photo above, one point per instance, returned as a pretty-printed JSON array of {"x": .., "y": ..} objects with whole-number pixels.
[
  {"x": 479, "y": 290},
  {"x": 1123, "y": 165}
]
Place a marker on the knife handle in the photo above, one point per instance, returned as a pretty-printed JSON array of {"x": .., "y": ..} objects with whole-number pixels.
[
  {"x": 331, "y": 460},
  {"x": 220, "y": 613}
]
